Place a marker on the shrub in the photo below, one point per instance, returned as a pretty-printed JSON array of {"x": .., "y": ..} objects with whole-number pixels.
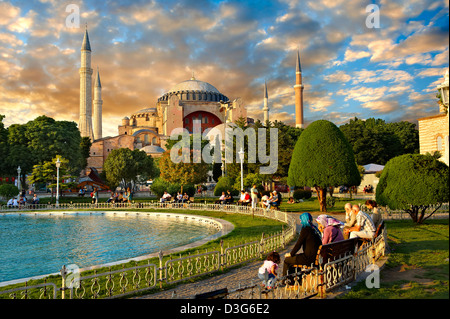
[
  {"x": 224, "y": 184},
  {"x": 7, "y": 191},
  {"x": 412, "y": 183}
]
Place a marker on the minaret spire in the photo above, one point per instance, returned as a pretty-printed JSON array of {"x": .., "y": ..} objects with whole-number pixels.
[
  {"x": 266, "y": 104},
  {"x": 299, "y": 123},
  {"x": 98, "y": 105},
  {"x": 85, "y": 124}
]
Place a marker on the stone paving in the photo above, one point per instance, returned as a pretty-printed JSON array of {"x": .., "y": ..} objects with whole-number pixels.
[{"x": 245, "y": 275}]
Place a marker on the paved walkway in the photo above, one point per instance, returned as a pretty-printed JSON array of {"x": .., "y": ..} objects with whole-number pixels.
[{"x": 244, "y": 276}]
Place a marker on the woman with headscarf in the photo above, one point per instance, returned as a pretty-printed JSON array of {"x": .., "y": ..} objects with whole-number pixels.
[
  {"x": 330, "y": 227},
  {"x": 309, "y": 239}
]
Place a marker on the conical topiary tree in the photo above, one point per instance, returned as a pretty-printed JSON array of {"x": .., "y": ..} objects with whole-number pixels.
[{"x": 322, "y": 158}]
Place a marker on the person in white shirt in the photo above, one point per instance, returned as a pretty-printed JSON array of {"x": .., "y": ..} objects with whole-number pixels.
[
  {"x": 166, "y": 197},
  {"x": 364, "y": 227},
  {"x": 254, "y": 195}
]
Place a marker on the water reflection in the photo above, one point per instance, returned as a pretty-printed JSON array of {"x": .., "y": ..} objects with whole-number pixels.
[{"x": 32, "y": 245}]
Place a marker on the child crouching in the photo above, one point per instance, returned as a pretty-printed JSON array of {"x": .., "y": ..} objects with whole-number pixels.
[{"x": 270, "y": 267}]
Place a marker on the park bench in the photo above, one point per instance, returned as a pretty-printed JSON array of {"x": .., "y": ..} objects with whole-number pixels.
[
  {"x": 332, "y": 251},
  {"x": 328, "y": 253},
  {"x": 378, "y": 232},
  {"x": 217, "y": 294}
]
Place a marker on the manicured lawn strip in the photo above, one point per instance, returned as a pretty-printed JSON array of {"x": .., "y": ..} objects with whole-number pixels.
[
  {"x": 247, "y": 229},
  {"x": 413, "y": 246}
]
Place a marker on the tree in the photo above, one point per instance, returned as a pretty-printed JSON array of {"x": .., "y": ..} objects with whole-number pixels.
[
  {"x": 85, "y": 148},
  {"x": 413, "y": 183},
  {"x": 40, "y": 141},
  {"x": 322, "y": 157},
  {"x": 224, "y": 184},
  {"x": 122, "y": 166},
  {"x": 8, "y": 191},
  {"x": 182, "y": 173},
  {"x": 375, "y": 141},
  {"x": 47, "y": 173},
  {"x": 3, "y": 145}
]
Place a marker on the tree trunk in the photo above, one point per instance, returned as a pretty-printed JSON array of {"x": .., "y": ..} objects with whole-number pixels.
[{"x": 322, "y": 197}]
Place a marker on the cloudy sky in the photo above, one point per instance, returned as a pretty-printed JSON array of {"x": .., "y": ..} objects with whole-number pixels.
[{"x": 143, "y": 48}]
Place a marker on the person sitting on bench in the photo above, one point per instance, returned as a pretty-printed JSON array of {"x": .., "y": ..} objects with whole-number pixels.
[
  {"x": 229, "y": 198},
  {"x": 221, "y": 200},
  {"x": 276, "y": 200},
  {"x": 331, "y": 229},
  {"x": 364, "y": 227},
  {"x": 309, "y": 239}
]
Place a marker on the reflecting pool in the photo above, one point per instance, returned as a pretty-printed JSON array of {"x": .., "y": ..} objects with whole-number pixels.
[{"x": 39, "y": 244}]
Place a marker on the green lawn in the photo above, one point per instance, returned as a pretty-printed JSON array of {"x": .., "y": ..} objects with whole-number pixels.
[{"x": 417, "y": 266}]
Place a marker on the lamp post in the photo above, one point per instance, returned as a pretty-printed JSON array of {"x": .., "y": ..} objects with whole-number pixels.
[
  {"x": 241, "y": 157},
  {"x": 19, "y": 186},
  {"x": 443, "y": 88},
  {"x": 58, "y": 165}
]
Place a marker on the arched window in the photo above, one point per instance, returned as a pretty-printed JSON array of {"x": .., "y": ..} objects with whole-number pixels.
[{"x": 439, "y": 143}]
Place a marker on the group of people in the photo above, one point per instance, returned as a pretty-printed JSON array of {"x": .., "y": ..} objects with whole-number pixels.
[
  {"x": 329, "y": 230},
  {"x": 225, "y": 198},
  {"x": 368, "y": 189},
  {"x": 22, "y": 201},
  {"x": 272, "y": 200},
  {"x": 180, "y": 198},
  {"x": 118, "y": 197},
  {"x": 252, "y": 198}
]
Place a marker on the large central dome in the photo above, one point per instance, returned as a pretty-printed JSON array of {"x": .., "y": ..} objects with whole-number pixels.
[
  {"x": 193, "y": 85},
  {"x": 194, "y": 90}
]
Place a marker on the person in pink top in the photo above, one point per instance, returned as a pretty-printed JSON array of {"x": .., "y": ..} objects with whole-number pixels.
[
  {"x": 330, "y": 228},
  {"x": 268, "y": 271}
]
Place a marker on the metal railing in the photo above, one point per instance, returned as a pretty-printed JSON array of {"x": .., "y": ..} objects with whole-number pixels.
[
  {"x": 313, "y": 281},
  {"x": 140, "y": 278},
  {"x": 133, "y": 280}
]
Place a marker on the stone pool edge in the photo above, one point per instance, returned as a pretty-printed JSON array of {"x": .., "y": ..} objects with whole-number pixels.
[{"x": 224, "y": 227}]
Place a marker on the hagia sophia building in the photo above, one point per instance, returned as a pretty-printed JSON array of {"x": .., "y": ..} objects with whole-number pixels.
[{"x": 149, "y": 129}]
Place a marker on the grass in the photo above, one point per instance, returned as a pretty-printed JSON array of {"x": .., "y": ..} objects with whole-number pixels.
[
  {"x": 247, "y": 229},
  {"x": 417, "y": 267}
]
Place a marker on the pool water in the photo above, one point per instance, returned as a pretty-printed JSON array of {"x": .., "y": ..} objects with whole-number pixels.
[{"x": 34, "y": 245}]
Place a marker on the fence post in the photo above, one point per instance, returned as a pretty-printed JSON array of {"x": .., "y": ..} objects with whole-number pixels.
[
  {"x": 63, "y": 282},
  {"x": 261, "y": 247},
  {"x": 222, "y": 256},
  {"x": 160, "y": 255}
]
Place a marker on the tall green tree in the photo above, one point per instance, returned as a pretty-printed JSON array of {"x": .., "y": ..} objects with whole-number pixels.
[
  {"x": 3, "y": 146},
  {"x": 323, "y": 157},
  {"x": 414, "y": 182},
  {"x": 182, "y": 173},
  {"x": 47, "y": 173},
  {"x": 375, "y": 141},
  {"x": 40, "y": 141},
  {"x": 123, "y": 166}
]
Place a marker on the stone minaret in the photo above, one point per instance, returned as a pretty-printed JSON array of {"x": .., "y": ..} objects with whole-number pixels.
[
  {"x": 266, "y": 104},
  {"x": 85, "y": 124},
  {"x": 299, "y": 95},
  {"x": 98, "y": 103}
]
